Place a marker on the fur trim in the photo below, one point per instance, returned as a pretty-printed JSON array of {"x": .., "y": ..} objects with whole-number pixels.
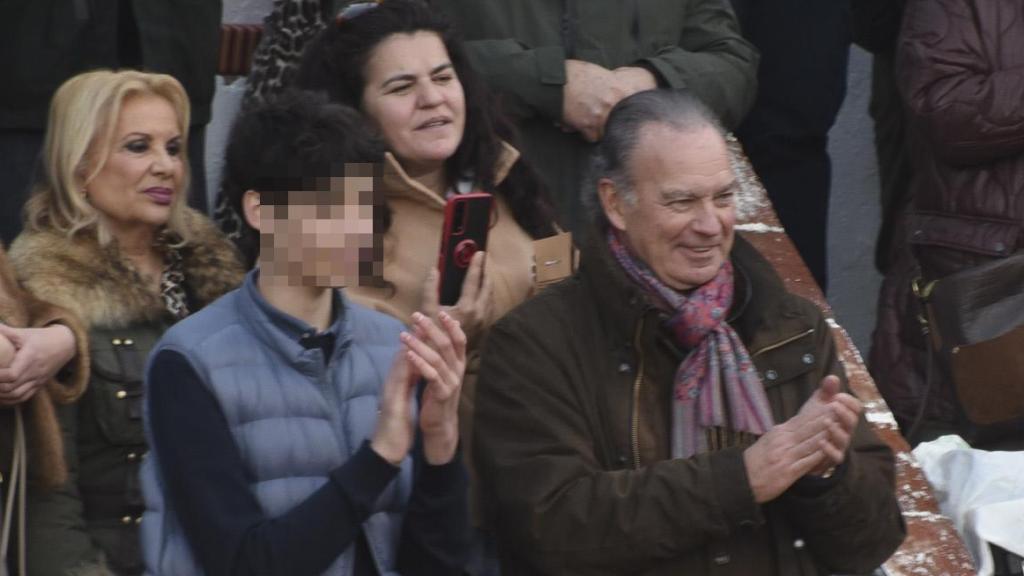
[
  {"x": 103, "y": 288},
  {"x": 12, "y": 304}
]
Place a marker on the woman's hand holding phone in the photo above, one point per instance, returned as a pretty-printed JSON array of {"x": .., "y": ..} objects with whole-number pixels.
[{"x": 475, "y": 306}]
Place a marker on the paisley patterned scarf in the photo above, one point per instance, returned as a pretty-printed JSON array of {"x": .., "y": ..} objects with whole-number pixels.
[{"x": 716, "y": 384}]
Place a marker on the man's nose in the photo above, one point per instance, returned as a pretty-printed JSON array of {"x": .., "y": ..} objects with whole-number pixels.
[{"x": 707, "y": 221}]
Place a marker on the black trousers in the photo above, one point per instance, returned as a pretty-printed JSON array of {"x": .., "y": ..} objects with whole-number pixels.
[{"x": 804, "y": 47}]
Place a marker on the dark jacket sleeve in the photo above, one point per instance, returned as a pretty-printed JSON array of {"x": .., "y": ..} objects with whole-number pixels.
[
  {"x": 207, "y": 486},
  {"x": 712, "y": 60},
  {"x": 553, "y": 502},
  {"x": 969, "y": 110},
  {"x": 435, "y": 532},
  {"x": 531, "y": 79},
  {"x": 852, "y": 524}
]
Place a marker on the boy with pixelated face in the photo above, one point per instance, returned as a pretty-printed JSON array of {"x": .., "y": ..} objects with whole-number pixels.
[
  {"x": 327, "y": 234},
  {"x": 365, "y": 408}
]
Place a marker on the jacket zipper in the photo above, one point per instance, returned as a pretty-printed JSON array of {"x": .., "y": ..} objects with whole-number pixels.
[
  {"x": 781, "y": 343},
  {"x": 636, "y": 394}
]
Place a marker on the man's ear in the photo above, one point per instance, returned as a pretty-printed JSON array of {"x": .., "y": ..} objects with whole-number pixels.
[
  {"x": 613, "y": 203},
  {"x": 251, "y": 208}
]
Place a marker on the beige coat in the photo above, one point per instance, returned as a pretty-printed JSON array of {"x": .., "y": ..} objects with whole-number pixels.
[{"x": 411, "y": 248}]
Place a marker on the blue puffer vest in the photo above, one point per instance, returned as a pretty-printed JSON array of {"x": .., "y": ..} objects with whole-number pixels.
[{"x": 293, "y": 418}]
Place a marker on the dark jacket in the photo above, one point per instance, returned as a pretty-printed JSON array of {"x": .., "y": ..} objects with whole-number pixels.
[
  {"x": 520, "y": 49},
  {"x": 95, "y": 514},
  {"x": 961, "y": 72},
  {"x": 573, "y": 445},
  {"x": 960, "y": 69},
  {"x": 45, "y": 42}
]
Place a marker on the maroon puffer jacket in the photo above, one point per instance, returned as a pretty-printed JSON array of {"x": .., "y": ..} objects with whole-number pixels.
[{"x": 960, "y": 66}]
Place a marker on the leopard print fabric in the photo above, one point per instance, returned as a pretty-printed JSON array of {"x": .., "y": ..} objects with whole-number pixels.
[{"x": 290, "y": 25}]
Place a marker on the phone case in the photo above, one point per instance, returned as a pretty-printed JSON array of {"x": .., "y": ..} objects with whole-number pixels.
[{"x": 467, "y": 221}]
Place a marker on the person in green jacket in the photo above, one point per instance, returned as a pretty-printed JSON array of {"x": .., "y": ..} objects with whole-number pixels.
[
  {"x": 108, "y": 237},
  {"x": 561, "y": 66}
]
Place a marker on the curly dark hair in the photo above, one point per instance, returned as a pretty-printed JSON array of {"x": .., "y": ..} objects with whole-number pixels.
[
  {"x": 287, "y": 143},
  {"x": 335, "y": 61}
]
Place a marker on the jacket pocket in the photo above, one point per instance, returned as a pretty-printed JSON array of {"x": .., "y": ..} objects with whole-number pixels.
[
  {"x": 118, "y": 362},
  {"x": 785, "y": 368}
]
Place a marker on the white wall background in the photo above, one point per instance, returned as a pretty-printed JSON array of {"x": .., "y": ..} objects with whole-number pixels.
[{"x": 854, "y": 217}]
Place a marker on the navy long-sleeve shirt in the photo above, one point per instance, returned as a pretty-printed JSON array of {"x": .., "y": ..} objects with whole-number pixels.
[{"x": 208, "y": 488}]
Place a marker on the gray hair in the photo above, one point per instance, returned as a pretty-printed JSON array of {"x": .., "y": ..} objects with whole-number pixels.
[{"x": 678, "y": 109}]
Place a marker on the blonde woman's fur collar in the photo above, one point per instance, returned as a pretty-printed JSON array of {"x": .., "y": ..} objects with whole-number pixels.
[
  {"x": 398, "y": 182},
  {"x": 104, "y": 290}
]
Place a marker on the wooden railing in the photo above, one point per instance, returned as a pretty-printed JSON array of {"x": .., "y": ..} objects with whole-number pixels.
[{"x": 933, "y": 547}]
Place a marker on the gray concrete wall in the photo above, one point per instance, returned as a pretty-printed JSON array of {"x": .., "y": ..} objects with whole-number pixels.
[
  {"x": 854, "y": 218},
  {"x": 854, "y": 212}
]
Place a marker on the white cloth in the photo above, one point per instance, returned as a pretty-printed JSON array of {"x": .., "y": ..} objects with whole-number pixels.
[{"x": 981, "y": 491}]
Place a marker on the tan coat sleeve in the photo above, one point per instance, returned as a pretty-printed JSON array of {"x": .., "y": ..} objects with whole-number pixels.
[{"x": 70, "y": 383}]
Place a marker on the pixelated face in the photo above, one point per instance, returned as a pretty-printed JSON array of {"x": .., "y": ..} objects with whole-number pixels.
[
  {"x": 414, "y": 96},
  {"x": 682, "y": 221},
  {"x": 324, "y": 237},
  {"x": 141, "y": 176}
]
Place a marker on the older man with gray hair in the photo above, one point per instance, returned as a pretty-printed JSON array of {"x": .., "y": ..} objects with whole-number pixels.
[{"x": 672, "y": 409}]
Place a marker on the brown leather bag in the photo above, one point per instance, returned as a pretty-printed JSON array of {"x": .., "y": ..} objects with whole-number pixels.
[{"x": 976, "y": 320}]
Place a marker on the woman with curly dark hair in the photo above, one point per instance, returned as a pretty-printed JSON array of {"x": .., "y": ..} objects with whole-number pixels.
[{"x": 403, "y": 66}]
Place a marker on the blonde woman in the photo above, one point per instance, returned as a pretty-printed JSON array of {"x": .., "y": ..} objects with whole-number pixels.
[{"x": 109, "y": 236}]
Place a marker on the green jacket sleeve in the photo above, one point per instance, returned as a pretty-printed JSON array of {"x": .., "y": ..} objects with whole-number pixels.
[
  {"x": 855, "y": 524},
  {"x": 554, "y": 502},
  {"x": 530, "y": 78},
  {"x": 712, "y": 60},
  {"x": 57, "y": 539}
]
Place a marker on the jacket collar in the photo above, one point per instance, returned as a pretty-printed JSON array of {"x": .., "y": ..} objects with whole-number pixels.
[
  {"x": 759, "y": 297},
  {"x": 288, "y": 335},
  {"x": 398, "y": 183},
  {"x": 96, "y": 283}
]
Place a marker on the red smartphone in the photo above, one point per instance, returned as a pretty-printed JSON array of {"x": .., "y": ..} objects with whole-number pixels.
[{"x": 467, "y": 220}]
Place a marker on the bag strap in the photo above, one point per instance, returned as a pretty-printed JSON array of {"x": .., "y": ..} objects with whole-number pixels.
[
  {"x": 14, "y": 503},
  {"x": 923, "y": 292}
]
